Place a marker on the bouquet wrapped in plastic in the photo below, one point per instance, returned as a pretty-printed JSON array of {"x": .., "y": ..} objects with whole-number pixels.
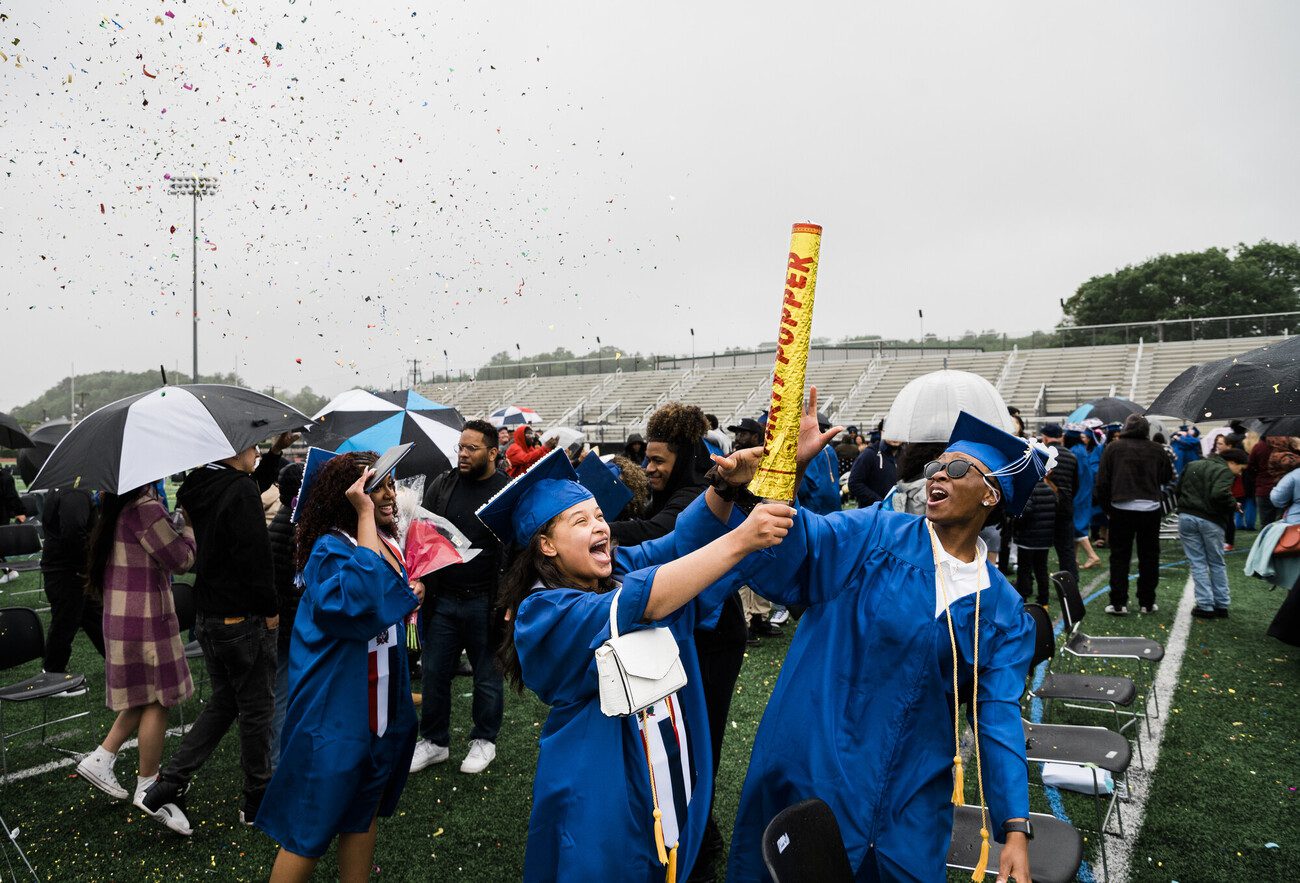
[{"x": 429, "y": 542}]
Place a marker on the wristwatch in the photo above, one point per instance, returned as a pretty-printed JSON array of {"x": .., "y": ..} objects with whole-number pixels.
[
  {"x": 725, "y": 490},
  {"x": 1021, "y": 825}
]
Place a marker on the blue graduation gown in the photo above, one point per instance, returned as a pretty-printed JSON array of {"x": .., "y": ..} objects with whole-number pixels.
[
  {"x": 820, "y": 488},
  {"x": 592, "y": 816},
  {"x": 335, "y": 771},
  {"x": 1083, "y": 493},
  {"x": 862, "y": 712}
]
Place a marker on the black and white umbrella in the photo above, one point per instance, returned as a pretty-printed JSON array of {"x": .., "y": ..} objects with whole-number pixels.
[
  {"x": 11, "y": 434},
  {"x": 360, "y": 420},
  {"x": 139, "y": 439},
  {"x": 514, "y": 415}
]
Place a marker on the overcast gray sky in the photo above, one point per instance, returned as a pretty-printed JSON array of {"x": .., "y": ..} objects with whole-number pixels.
[{"x": 402, "y": 179}]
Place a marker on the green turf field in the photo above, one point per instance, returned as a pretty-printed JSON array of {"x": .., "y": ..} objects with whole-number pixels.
[{"x": 1224, "y": 788}]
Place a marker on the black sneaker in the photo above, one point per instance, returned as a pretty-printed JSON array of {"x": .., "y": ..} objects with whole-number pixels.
[
  {"x": 1202, "y": 613},
  {"x": 750, "y": 638},
  {"x": 762, "y": 627},
  {"x": 165, "y": 802},
  {"x": 1221, "y": 612}
]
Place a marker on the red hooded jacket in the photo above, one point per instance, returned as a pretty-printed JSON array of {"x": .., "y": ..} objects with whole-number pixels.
[{"x": 519, "y": 457}]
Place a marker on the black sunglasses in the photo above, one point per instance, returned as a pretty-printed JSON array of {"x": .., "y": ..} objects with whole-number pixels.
[{"x": 955, "y": 469}]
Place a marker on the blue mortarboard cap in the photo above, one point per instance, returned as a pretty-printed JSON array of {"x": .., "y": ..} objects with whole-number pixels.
[
  {"x": 316, "y": 460},
  {"x": 611, "y": 494},
  {"x": 1017, "y": 464},
  {"x": 522, "y": 507}
]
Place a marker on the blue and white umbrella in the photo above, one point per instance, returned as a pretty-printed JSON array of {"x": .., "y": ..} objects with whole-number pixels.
[{"x": 360, "y": 420}]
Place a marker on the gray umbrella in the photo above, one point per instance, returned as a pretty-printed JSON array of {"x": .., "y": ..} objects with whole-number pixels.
[{"x": 11, "y": 434}]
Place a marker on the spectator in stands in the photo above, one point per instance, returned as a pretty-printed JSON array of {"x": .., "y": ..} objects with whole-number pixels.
[
  {"x": 67, "y": 518},
  {"x": 460, "y": 610},
  {"x": 237, "y": 614},
  {"x": 287, "y": 592},
  {"x": 1222, "y": 442},
  {"x": 676, "y": 461},
  {"x": 874, "y": 473},
  {"x": 1035, "y": 536},
  {"x": 1130, "y": 483},
  {"x": 715, "y": 439},
  {"x": 1273, "y": 457},
  {"x": 1205, "y": 508},
  {"x": 1186, "y": 445},
  {"x": 748, "y": 433},
  {"x": 634, "y": 449},
  {"x": 1075, "y": 440},
  {"x": 526, "y": 450},
  {"x": 11, "y": 508},
  {"x": 1065, "y": 481},
  {"x": 134, "y": 550}
]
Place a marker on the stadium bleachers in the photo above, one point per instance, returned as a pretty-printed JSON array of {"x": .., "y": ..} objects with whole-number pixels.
[{"x": 1041, "y": 383}]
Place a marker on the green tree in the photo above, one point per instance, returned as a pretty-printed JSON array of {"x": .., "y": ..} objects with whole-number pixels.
[{"x": 1260, "y": 278}]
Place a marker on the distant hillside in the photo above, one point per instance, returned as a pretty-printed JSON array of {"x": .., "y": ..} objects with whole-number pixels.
[{"x": 96, "y": 390}]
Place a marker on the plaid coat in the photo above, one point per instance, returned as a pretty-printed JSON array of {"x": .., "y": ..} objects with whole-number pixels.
[{"x": 144, "y": 656}]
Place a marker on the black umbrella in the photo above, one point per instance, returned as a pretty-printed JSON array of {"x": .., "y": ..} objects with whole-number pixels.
[
  {"x": 359, "y": 420},
  {"x": 1263, "y": 382},
  {"x": 11, "y": 434},
  {"x": 148, "y": 436},
  {"x": 44, "y": 438},
  {"x": 1280, "y": 426},
  {"x": 1107, "y": 409}
]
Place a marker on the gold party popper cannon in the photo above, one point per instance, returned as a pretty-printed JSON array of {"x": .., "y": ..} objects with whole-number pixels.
[{"x": 776, "y": 476}]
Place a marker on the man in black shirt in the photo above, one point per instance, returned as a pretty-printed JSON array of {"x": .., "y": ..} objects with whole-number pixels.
[
  {"x": 458, "y": 607},
  {"x": 68, "y": 515}
]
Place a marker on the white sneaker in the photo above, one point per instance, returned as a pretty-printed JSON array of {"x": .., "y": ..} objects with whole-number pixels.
[
  {"x": 97, "y": 769},
  {"x": 9, "y": 576},
  {"x": 779, "y": 615},
  {"x": 1116, "y": 611},
  {"x": 427, "y": 754},
  {"x": 481, "y": 753},
  {"x": 1154, "y": 608}
]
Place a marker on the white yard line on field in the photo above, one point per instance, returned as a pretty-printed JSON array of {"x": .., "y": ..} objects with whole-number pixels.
[
  {"x": 53, "y": 765},
  {"x": 1140, "y": 780}
]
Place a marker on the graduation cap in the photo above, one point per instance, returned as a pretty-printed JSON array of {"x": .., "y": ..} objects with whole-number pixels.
[
  {"x": 1016, "y": 463},
  {"x": 522, "y": 507},
  {"x": 612, "y": 496},
  {"x": 316, "y": 460}
]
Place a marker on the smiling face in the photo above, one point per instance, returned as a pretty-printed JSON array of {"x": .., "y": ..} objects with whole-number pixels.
[
  {"x": 952, "y": 501},
  {"x": 385, "y": 499},
  {"x": 578, "y": 540},
  {"x": 659, "y": 462}
]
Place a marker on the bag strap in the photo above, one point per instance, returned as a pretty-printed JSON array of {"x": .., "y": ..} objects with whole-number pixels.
[{"x": 613, "y": 615}]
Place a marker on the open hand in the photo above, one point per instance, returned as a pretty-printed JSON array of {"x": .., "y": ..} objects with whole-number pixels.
[
  {"x": 284, "y": 440},
  {"x": 811, "y": 438},
  {"x": 739, "y": 468},
  {"x": 358, "y": 497},
  {"x": 765, "y": 527}
]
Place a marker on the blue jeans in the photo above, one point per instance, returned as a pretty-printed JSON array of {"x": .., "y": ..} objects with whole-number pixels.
[
  {"x": 281, "y": 698},
  {"x": 1203, "y": 544},
  {"x": 452, "y": 624}
]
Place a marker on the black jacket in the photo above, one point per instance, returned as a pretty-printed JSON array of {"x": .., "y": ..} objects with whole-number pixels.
[
  {"x": 684, "y": 485},
  {"x": 68, "y": 517},
  {"x": 11, "y": 505},
  {"x": 233, "y": 572},
  {"x": 1066, "y": 478},
  {"x": 281, "y": 532},
  {"x": 1132, "y": 469},
  {"x": 873, "y": 474},
  {"x": 1036, "y": 526}
]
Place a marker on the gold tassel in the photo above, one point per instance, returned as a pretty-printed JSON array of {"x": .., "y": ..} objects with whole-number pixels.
[
  {"x": 981, "y": 867},
  {"x": 672, "y": 865},
  {"x": 958, "y": 782},
  {"x": 659, "y": 836}
]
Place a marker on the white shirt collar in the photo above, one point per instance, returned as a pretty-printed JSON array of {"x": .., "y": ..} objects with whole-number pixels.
[{"x": 961, "y": 578}]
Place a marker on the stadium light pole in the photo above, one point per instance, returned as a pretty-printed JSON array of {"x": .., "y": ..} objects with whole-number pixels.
[{"x": 195, "y": 187}]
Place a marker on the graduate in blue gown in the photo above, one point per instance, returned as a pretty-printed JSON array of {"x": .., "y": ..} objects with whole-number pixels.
[
  {"x": 594, "y": 810},
  {"x": 350, "y": 726},
  {"x": 863, "y": 713}
]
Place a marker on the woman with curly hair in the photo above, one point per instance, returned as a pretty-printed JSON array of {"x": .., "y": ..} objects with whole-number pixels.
[
  {"x": 615, "y": 798},
  {"x": 676, "y": 460},
  {"x": 350, "y": 727}
]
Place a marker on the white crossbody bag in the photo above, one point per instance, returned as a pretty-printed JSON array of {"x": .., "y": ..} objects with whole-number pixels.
[{"x": 638, "y": 669}]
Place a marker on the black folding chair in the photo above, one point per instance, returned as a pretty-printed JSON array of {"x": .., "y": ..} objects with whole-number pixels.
[
  {"x": 20, "y": 547},
  {"x": 186, "y": 613},
  {"x": 22, "y": 640},
  {"x": 1143, "y": 652},
  {"x": 803, "y": 844},
  {"x": 1055, "y": 853}
]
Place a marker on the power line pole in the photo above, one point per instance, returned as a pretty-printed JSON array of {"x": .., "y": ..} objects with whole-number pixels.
[{"x": 416, "y": 377}]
